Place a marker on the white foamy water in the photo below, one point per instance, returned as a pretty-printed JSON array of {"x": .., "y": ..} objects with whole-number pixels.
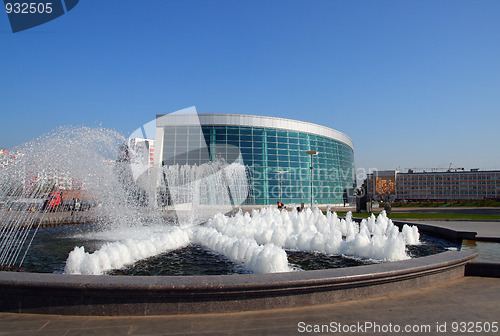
[
  {"x": 267, "y": 258},
  {"x": 376, "y": 238},
  {"x": 116, "y": 255},
  {"x": 257, "y": 240}
]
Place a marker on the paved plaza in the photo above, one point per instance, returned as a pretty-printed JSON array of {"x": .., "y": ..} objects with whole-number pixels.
[
  {"x": 468, "y": 299},
  {"x": 437, "y": 310},
  {"x": 485, "y": 230}
]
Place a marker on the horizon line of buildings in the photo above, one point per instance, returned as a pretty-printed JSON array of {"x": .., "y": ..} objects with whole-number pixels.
[
  {"x": 272, "y": 145},
  {"x": 474, "y": 184}
]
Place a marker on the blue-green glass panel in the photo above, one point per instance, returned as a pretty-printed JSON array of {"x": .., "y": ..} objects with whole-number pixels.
[
  {"x": 257, "y": 150},
  {"x": 258, "y": 131},
  {"x": 258, "y": 157},
  {"x": 232, "y": 130},
  {"x": 272, "y": 145},
  {"x": 246, "y": 144},
  {"x": 272, "y": 151},
  {"x": 258, "y": 144},
  {"x": 272, "y": 164},
  {"x": 247, "y": 131},
  {"x": 271, "y": 132},
  {"x": 246, "y": 138},
  {"x": 282, "y": 140},
  {"x": 283, "y": 152}
]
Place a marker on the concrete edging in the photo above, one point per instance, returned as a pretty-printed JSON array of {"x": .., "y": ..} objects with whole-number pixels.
[
  {"x": 474, "y": 268},
  {"x": 449, "y": 220},
  {"x": 157, "y": 295}
]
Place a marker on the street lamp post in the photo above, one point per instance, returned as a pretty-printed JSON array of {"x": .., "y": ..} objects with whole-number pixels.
[
  {"x": 312, "y": 153},
  {"x": 281, "y": 172}
]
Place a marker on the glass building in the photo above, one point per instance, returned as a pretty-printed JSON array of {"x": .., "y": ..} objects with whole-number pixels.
[{"x": 273, "y": 149}]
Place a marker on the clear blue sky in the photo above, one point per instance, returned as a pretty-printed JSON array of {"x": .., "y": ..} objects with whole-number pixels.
[{"x": 413, "y": 83}]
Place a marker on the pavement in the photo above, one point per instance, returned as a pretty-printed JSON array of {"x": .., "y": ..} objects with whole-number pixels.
[
  {"x": 445, "y": 309},
  {"x": 450, "y": 210},
  {"x": 487, "y": 240},
  {"x": 439, "y": 210},
  {"x": 444, "y": 306},
  {"x": 485, "y": 230}
]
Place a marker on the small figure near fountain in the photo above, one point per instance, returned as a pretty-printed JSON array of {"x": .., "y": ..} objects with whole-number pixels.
[{"x": 75, "y": 206}]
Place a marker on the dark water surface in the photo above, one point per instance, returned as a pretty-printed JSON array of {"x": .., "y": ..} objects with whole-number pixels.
[{"x": 51, "y": 247}]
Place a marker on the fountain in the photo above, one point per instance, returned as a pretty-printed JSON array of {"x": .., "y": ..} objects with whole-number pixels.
[
  {"x": 49, "y": 176},
  {"x": 38, "y": 177},
  {"x": 81, "y": 162}
]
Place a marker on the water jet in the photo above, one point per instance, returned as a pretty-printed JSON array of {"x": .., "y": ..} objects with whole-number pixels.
[{"x": 128, "y": 223}]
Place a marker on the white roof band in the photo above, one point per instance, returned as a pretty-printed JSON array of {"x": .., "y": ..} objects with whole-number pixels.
[{"x": 163, "y": 120}]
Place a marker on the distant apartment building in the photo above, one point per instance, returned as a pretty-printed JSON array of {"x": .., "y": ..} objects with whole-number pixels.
[
  {"x": 137, "y": 151},
  {"x": 32, "y": 179},
  {"x": 391, "y": 185},
  {"x": 141, "y": 151}
]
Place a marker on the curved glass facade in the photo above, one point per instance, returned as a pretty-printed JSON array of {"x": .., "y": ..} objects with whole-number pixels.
[{"x": 277, "y": 160}]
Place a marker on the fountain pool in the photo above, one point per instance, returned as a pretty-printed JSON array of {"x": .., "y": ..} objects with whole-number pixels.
[
  {"x": 145, "y": 229},
  {"x": 49, "y": 252}
]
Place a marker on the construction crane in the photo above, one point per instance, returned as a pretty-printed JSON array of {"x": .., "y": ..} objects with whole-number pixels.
[
  {"x": 433, "y": 169},
  {"x": 455, "y": 169}
]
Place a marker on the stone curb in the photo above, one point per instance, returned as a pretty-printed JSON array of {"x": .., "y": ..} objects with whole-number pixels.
[{"x": 156, "y": 295}]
